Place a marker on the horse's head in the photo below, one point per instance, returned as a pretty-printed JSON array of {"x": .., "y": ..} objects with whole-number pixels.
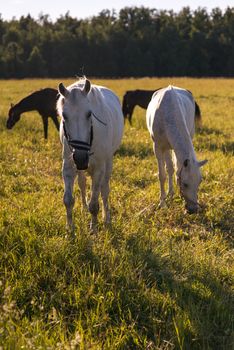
[
  {"x": 77, "y": 122},
  {"x": 13, "y": 117},
  {"x": 189, "y": 179}
]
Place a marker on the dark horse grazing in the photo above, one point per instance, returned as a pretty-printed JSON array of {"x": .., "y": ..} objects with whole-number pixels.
[
  {"x": 133, "y": 98},
  {"x": 44, "y": 101}
]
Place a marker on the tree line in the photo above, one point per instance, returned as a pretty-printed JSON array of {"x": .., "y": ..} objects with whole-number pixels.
[{"x": 136, "y": 42}]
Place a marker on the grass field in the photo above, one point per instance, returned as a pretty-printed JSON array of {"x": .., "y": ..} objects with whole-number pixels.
[{"x": 157, "y": 279}]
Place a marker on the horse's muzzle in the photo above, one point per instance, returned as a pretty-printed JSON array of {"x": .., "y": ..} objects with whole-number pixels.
[
  {"x": 9, "y": 124},
  {"x": 191, "y": 208},
  {"x": 81, "y": 159}
]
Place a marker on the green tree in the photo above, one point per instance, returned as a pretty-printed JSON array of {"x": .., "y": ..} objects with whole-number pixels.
[
  {"x": 36, "y": 66},
  {"x": 137, "y": 41},
  {"x": 12, "y": 61}
]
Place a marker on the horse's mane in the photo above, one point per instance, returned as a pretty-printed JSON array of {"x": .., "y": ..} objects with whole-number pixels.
[{"x": 79, "y": 83}]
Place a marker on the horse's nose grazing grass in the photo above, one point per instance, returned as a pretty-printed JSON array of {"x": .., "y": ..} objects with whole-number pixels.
[{"x": 191, "y": 210}]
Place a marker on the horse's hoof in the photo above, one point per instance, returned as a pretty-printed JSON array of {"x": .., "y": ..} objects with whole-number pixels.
[
  {"x": 71, "y": 236},
  {"x": 93, "y": 228},
  {"x": 107, "y": 225},
  {"x": 162, "y": 204},
  {"x": 171, "y": 194},
  {"x": 70, "y": 229},
  {"x": 85, "y": 207}
]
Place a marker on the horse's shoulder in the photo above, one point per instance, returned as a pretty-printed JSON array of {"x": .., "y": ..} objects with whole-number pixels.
[{"x": 129, "y": 92}]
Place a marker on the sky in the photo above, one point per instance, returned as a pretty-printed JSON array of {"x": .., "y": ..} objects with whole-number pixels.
[{"x": 87, "y": 8}]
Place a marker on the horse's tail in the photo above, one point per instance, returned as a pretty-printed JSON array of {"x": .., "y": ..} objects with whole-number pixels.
[
  {"x": 198, "y": 117},
  {"x": 124, "y": 107}
]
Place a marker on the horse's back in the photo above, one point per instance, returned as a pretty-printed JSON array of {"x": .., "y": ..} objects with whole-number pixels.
[
  {"x": 47, "y": 98},
  {"x": 138, "y": 97},
  {"x": 43, "y": 100}
]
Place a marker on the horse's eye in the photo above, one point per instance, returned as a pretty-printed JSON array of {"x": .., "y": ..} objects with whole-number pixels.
[
  {"x": 185, "y": 185},
  {"x": 89, "y": 114}
]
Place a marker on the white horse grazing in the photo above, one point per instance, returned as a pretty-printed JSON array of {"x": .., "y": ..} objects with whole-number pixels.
[
  {"x": 91, "y": 131},
  {"x": 170, "y": 121}
]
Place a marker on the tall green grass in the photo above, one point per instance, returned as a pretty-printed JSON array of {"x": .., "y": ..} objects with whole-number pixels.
[{"x": 157, "y": 279}]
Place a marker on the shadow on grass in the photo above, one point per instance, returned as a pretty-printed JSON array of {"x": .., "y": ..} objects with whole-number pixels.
[
  {"x": 204, "y": 143},
  {"x": 223, "y": 221},
  {"x": 135, "y": 296},
  {"x": 226, "y": 147},
  {"x": 199, "y": 306},
  {"x": 218, "y": 217},
  {"x": 140, "y": 150},
  {"x": 209, "y": 131},
  {"x": 135, "y": 292}
]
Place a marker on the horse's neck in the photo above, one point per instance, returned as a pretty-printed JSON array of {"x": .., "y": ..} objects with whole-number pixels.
[{"x": 96, "y": 99}]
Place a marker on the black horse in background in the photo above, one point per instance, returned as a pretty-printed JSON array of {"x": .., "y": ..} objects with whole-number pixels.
[
  {"x": 43, "y": 101},
  {"x": 133, "y": 98}
]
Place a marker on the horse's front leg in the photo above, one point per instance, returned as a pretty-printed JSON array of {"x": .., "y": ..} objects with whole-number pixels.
[
  {"x": 82, "y": 185},
  {"x": 93, "y": 204},
  {"x": 162, "y": 175},
  {"x": 105, "y": 190},
  {"x": 69, "y": 174},
  {"x": 170, "y": 170},
  {"x": 131, "y": 109}
]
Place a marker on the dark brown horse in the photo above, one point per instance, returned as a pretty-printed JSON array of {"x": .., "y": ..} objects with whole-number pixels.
[
  {"x": 43, "y": 101},
  {"x": 133, "y": 98}
]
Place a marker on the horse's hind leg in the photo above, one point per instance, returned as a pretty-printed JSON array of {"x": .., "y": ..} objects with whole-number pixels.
[
  {"x": 55, "y": 120},
  {"x": 170, "y": 170},
  {"x": 45, "y": 126},
  {"x": 69, "y": 174},
  {"x": 130, "y": 115},
  {"x": 105, "y": 190}
]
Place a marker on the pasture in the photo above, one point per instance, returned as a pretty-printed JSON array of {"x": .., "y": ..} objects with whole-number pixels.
[{"x": 158, "y": 278}]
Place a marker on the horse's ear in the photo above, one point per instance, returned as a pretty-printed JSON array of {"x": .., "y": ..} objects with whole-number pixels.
[
  {"x": 202, "y": 162},
  {"x": 186, "y": 163},
  {"x": 63, "y": 91},
  {"x": 12, "y": 104},
  {"x": 87, "y": 86}
]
